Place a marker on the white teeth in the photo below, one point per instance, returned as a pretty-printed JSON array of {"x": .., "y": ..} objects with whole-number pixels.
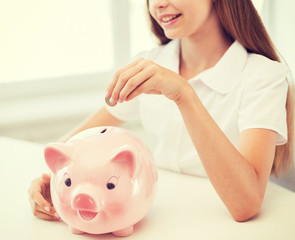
[{"x": 167, "y": 19}]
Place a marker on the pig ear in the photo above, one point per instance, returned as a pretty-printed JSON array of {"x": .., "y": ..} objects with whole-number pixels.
[
  {"x": 126, "y": 158},
  {"x": 55, "y": 157}
]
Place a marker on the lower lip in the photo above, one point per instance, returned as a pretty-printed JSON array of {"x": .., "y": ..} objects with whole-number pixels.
[
  {"x": 87, "y": 215},
  {"x": 171, "y": 22}
]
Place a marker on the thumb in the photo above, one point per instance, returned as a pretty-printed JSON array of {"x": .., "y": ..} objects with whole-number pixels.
[{"x": 46, "y": 178}]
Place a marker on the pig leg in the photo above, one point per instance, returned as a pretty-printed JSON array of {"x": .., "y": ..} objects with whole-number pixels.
[
  {"x": 124, "y": 232},
  {"x": 75, "y": 230}
]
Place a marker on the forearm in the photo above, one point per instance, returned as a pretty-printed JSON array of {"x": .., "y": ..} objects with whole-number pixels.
[
  {"x": 99, "y": 118},
  {"x": 232, "y": 176}
]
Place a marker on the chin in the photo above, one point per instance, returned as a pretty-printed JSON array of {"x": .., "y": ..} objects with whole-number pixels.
[{"x": 172, "y": 36}]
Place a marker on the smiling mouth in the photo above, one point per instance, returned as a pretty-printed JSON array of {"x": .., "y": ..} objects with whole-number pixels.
[
  {"x": 87, "y": 215},
  {"x": 170, "y": 18}
]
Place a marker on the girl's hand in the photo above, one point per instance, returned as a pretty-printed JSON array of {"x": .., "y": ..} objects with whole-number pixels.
[
  {"x": 40, "y": 198},
  {"x": 144, "y": 76}
]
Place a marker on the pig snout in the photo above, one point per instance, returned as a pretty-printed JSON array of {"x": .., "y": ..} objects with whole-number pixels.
[
  {"x": 84, "y": 202},
  {"x": 86, "y": 206}
]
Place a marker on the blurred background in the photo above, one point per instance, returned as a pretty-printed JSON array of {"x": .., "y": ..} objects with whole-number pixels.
[{"x": 57, "y": 57}]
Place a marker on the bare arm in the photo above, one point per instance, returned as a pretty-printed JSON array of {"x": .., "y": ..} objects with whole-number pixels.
[
  {"x": 100, "y": 118},
  {"x": 239, "y": 176}
]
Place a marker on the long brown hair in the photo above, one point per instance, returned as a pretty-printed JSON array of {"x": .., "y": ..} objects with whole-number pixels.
[{"x": 241, "y": 22}]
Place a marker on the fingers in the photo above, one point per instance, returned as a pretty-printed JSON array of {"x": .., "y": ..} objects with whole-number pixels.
[
  {"x": 125, "y": 79},
  {"x": 40, "y": 206},
  {"x": 46, "y": 213},
  {"x": 128, "y": 79},
  {"x": 45, "y": 216},
  {"x": 140, "y": 90},
  {"x": 113, "y": 83},
  {"x": 46, "y": 178},
  {"x": 134, "y": 84},
  {"x": 145, "y": 87},
  {"x": 42, "y": 209}
]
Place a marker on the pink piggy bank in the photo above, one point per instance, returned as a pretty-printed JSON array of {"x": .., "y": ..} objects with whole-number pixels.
[{"x": 104, "y": 180}]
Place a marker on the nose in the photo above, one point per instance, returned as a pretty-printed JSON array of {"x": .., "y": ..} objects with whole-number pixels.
[
  {"x": 84, "y": 202},
  {"x": 155, "y": 4}
]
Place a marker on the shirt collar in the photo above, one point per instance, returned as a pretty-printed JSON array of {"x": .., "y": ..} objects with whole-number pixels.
[{"x": 220, "y": 77}]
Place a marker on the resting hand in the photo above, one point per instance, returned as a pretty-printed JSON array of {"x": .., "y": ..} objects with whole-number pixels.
[
  {"x": 145, "y": 76},
  {"x": 40, "y": 198}
]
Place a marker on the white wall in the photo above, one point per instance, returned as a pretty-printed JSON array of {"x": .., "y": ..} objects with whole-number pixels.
[
  {"x": 280, "y": 22},
  {"x": 57, "y": 58},
  {"x": 49, "y": 38}
]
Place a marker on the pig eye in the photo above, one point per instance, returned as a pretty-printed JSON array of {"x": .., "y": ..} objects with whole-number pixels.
[
  {"x": 110, "y": 186},
  {"x": 103, "y": 131},
  {"x": 112, "y": 182},
  {"x": 68, "y": 182}
]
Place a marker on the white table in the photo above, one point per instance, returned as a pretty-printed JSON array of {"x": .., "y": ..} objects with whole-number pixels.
[{"x": 186, "y": 207}]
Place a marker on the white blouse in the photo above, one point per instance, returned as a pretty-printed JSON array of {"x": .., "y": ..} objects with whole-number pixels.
[{"x": 241, "y": 91}]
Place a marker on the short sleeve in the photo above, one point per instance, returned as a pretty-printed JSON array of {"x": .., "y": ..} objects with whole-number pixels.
[
  {"x": 126, "y": 111},
  {"x": 264, "y": 101}
]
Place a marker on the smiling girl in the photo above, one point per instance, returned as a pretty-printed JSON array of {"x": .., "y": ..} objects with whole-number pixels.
[{"x": 216, "y": 97}]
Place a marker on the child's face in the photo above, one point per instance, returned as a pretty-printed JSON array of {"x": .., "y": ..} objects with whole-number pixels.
[{"x": 182, "y": 18}]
